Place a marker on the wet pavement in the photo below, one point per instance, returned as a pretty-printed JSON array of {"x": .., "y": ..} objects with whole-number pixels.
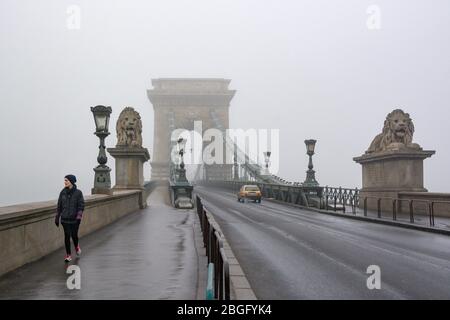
[
  {"x": 148, "y": 254},
  {"x": 289, "y": 253}
]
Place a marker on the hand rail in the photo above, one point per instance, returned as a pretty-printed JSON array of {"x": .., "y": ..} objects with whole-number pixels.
[
  {"x": 213, "y": 241},
  {"x": 341, "y": 196},
  {"x": 396, "y": 202}
]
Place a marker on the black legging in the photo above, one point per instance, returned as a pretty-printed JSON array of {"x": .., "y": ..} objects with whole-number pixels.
[{"x": 70, "y": 230}]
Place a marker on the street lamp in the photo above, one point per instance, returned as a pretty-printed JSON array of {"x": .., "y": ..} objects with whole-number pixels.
[
  {"x": 102, "y": 179},
  {"x": 182, "y": 171},
  {"x": 267, "y": 160},
  {"x": 310, "y": 174},
  {"x": 182, "y": 189}
]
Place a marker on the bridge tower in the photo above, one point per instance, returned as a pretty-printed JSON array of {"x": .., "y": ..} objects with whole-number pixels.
[{"x": 178, "y": 102}]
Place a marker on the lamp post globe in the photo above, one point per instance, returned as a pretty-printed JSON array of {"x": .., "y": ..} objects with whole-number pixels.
[
  {"x": 310, "y": 146},
  {"x": 101, "y": 118}
]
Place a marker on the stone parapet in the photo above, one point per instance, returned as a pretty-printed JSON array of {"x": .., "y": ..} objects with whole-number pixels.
[{"x": 28, "y": 231}]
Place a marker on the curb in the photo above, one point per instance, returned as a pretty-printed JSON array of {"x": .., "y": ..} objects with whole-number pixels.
[
  {"x": 362, "y": 218},
  {"x": 239, "y": 285}
]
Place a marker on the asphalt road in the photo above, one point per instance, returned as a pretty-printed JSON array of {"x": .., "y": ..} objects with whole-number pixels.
[
  {"x": 289, "y": 253},
  {"x": 148, "y": 254}
]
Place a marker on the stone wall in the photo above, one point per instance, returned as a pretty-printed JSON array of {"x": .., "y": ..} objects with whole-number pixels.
[{"x": 28, "y": 231}]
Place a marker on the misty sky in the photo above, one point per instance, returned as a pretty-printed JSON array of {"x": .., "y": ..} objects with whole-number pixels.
[{"x": 312, "y": 69}]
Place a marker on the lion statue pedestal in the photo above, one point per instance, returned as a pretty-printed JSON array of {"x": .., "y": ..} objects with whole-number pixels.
[
  {"x": 129, "y": 154},
  {"x": 129, "y": 167},
  {"x": 393, "y": 163}
]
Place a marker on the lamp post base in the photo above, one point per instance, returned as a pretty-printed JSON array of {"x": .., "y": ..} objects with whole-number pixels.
[
  {"x": 102, "y": 181},
  {"x": 311, "y": 179}
]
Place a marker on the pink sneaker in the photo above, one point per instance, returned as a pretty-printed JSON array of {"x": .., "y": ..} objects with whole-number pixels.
[
  {"x": 67, "y": 258},
  {"x": 78, "y": 250}
]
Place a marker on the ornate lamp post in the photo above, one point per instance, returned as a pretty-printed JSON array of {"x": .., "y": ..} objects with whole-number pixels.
[
  {"x": 102, "y": 180},
  {"x": 182, "y": 189},
  {"x": 267, "y": 160},
  {"x": 310, "y": 174},
  {"x": 182, "y": 171}
]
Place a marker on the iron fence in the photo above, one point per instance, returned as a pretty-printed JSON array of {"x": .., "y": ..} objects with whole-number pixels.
[
  {"x": 395, "y": 205},
  {"x": 337, "y": 198},
  {"x": 213, "y": 242}
]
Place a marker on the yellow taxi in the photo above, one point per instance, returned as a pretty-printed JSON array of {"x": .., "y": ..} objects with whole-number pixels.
[{"x": 249, "y": 192}]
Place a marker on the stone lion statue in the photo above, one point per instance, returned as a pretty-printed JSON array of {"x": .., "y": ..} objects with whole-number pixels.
[
  {"x": 129, "y": 128},
  {"x": 397, "y": 133}
]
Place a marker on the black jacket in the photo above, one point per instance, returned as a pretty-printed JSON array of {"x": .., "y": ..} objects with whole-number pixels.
[{"x": 70, "y": 205}]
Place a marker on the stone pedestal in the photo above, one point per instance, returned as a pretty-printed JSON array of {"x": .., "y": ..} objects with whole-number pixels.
[
  {"x": 102, "y": 180},
  {"x": 129, "y": 166},
  {"x": 389, "y": 172}
]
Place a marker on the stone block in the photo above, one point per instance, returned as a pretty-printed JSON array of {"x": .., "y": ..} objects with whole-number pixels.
[
  {"x": 385, "y": 174},
  {"x": 129, "y": 167}
]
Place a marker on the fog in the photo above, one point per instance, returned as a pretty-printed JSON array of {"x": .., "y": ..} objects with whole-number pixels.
[{"x": 313, "y": 69}]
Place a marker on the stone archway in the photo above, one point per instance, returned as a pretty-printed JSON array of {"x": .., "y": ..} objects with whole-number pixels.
[{"x": 187, "y": 100}]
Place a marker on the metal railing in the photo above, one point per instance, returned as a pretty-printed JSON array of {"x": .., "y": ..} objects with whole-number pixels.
[
  {"x": 395, "y": 205},
  {"x": 337, "y": 198},
  {"x": 213, "y": 241}
]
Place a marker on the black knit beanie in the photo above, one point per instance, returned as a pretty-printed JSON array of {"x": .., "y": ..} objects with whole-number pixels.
[{"x": 71, "y": 178}]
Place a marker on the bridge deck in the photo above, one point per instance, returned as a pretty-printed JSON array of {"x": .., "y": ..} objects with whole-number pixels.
[
  {"x": 148, "y": 254},
  {"x": 289, "y": 253}
]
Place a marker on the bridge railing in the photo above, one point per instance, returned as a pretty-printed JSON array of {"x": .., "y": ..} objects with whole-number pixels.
[
  {"x": 397, "y": 212},
  {"x": 393, "y": 208},
  {"x": 403, "y": 209},
  {"x": 213, "y": 241},
  {"x": 338, "y": 198}
]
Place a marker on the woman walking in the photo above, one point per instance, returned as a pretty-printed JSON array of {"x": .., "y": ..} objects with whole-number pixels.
[{"x": 70, "y": 211}]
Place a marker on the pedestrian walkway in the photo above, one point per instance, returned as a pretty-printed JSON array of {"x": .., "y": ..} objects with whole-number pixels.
[{"x": 148, "y": 254}]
